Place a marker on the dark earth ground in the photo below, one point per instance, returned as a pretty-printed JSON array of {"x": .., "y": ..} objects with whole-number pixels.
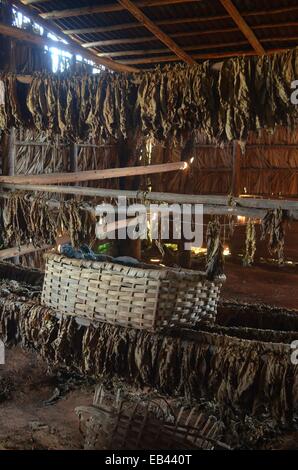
[{"x": 26, "y": 422}]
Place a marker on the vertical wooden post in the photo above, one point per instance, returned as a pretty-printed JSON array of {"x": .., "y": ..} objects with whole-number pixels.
[
  {"x": 128, "y": 247},
  {"x": 236, "y": 190},
  {"x": 10, "y": 166},
  {"x": 12, "y": 152},
  {"x": 73, "y": 158}
]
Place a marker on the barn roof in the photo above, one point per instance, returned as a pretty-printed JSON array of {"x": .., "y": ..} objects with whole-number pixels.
[{"x": 182, "y": 30}]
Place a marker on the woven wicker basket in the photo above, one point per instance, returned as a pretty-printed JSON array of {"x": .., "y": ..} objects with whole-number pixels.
[
  {"x": 139, "y": 297},
  {"x": 127, "y": 424}
]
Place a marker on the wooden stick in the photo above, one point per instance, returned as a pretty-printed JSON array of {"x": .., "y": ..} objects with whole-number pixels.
[
  {"x": 171, "y": 198},
  {"x": 11, "y": 156},
  {"x": 92, "y": 175},
  {"x": 22, "y": 250},
  {"x": 158, "y": 33},
  {"x": 243, "y": 26},
  {"x": 213, "y": 205}
]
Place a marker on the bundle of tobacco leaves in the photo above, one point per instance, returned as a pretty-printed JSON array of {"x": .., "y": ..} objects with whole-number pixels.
[
  {"x": 11, "y": 114},
  {"x": 172, "y": 103},
  {"x": 79, "y": 223},
  {"x": 215, "y": 258},
  {"x": 16, "y": 214},
  {"x": 37, "y": 219},
  {"x": 273, "y": 226},
  {"x": 250, "y": 243},
  {"x": 78, "y": 106}
]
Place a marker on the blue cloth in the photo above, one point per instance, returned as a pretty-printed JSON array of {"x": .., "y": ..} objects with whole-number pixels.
[{"x": 85, "y": 252}]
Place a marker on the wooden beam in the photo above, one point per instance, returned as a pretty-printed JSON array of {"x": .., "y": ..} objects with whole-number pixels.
[
  {"x": 211, "y": 200},
  {"x": 22, "y": 250},
  {"x": 23, "y": 35},
  {"x": 243, "y": 26},
  {"x": 107, "y": 8},
  {"x": 158, "y": 33},
  {"x": 73, "y": 157},
  {"x": 74, "y": 46},
  {"x": 31, "y": 2},
  {"x": 12, "y": 152},
  {"x": 92, "y": 175},
  {"x": 250, "y": 207}
]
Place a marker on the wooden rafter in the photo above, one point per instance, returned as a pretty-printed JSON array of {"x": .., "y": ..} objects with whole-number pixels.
[
  {"x": 156, "y": 31},
  {"x": 23, "y": 35},
  {"x": 107, "y": 8},
  {"x": 243, "y": 26}
]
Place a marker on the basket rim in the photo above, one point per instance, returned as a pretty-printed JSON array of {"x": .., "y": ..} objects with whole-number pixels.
[{"x": 157, "y": 272}]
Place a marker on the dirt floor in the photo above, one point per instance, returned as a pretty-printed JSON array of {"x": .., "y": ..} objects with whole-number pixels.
[
  {"x": 32, "y": 418},
  {"x": 262, "y": 283},
  {"x": 27, "y": 421}
]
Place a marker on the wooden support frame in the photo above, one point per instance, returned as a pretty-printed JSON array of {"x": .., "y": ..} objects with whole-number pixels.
[
  {"x": 93, "y": 175},
  {"x": 243, "y": 26},
  {"x": 158, "y": 33}
]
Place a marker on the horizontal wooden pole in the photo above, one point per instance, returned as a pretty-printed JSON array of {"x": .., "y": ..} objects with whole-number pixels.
[
  {"x": 93, "y": 175},
  {"x": 247, "y": 206},
  {"x": 22, "y": 250}
]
